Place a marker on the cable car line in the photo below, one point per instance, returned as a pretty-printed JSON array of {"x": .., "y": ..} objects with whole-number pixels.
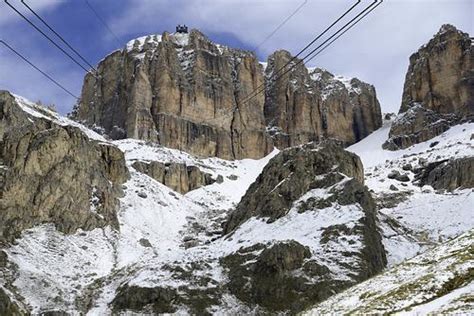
[
  {"x": 45, "y": 35},
  {"x": 362, "y": 13},
  {"x": 57, "y": 34},
  {"x": 281, "y": 25},
  {"x": 99, "y": 17},
  {"x": 38, "y": 69},
  {"x": 306, "y": 47},
  {"x": 344, "y": 32}
]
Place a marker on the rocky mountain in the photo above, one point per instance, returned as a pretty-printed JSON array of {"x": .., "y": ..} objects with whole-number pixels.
[
  {"x": 186, "y": 92},
  {"x": 91, "y": 225},
  {"x": 438, "y": 91}
]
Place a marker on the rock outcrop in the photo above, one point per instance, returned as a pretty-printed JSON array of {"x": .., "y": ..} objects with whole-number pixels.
[
  {"x": 289, "y": 275},
  {"x": 9, "y": 307},
  {"x": 186, "y": 92},
  {"x": 54, "y": 173},
  {"x": 307, "y": 105},
  {"x": 289, "y": 175},
  {"x": 448, "y": 174},
  {"x": 438, "y": 91},
  {"x": 177, "y": 176}
]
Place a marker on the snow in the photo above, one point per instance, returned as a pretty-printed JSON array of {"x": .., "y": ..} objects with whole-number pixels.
[
  {"x": 411, "y": 287},
  {"x": 446, "y": 301},
  {"x": 333, "y": 84},
  {"x": 181, "y": 39},
  {"x": 426, "y": 217},
  {"x": 52, "y": 264},
  {"x": 39, "y": 111},
  {"x": 305, "y": 228},
  {"x": 237, "y": 175},
  {"x": 139, "y": 43}
]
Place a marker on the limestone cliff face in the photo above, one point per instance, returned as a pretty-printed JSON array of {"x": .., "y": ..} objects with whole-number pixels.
[
  {"x": 51, "y": 173},
  {"x": 186, "y": 92},
  {"x": 438, "y": 91},
  {"x": 306, "y": 105},
  {"x": 183, "y": 91}
]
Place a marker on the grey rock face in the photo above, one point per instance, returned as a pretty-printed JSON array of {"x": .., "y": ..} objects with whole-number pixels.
[
  {"x": 278, "y": 278},
  {"x": 192, "y": 94},
  {"x": 53, "y": 173},
  {"x": 304, "y": 106},
  {"x": 438, "y": 91},
  {"x": 177, "y": 176},
  {"x": 289, "y": 175},
  {"x": 448, "y": 175},
  {"x": 7, "y": 307},
  {"x": 287, "y": 276},
  {"x": 157, "y": 299},
  {"x": 416, "y": 125}
]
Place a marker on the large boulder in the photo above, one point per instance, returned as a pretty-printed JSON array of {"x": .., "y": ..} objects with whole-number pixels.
[
  {"x": 289, "y": 175},
  {"x": 448, "y": 174},
  {"x": 54, "y": 173},
  {"x": 438, "y": 90}
]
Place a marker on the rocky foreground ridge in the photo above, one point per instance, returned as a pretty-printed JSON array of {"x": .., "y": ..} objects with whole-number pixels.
[
  {"x": 52, "y": 172},
  {"x": 438, "y": 91},
  {"x": 186, "y": 92}
]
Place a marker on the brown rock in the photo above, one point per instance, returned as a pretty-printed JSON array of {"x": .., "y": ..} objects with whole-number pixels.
[
  {"x": 438, "y": 91},
  {"x": 176, "y": 176},
  {"x": 192, "y": 94},
  {"x": 305, "y": 106},
  {"x": 184, "y": 94},
  {"x": 53, "y": 173}
]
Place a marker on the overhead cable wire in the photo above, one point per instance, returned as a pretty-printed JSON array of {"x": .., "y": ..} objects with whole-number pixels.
[
  {"x": 57, "y": 34},
  {"x": 329, "y": 44},
  {"x": 38, "y": 69},
  {"x": 46, "y": 36},
  {"x": 281, "y": 25},
  {"x": 314, "y": 50},
  {"x": 102, "y": 20},
  {"x": 306, "y": 47}
]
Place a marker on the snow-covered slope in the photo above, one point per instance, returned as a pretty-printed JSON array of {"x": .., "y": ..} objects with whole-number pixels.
[
  {"x": 439, "y": 281},
  {"x": 60, "y": 272},
  {"x": 415, "y": 218}
]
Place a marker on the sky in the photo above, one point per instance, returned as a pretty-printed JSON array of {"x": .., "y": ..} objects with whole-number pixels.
[{"x": 377, "y": 50}]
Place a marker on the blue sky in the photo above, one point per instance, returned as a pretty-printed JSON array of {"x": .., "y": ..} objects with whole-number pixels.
[{"x": 376, "y": 51}]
